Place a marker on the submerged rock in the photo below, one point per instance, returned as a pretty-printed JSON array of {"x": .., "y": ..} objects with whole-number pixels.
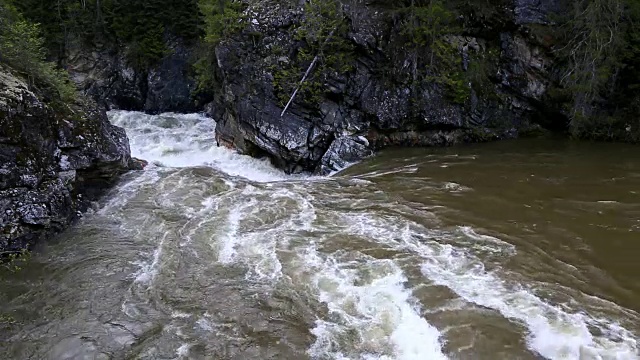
[{"x": 52, "y": 162}]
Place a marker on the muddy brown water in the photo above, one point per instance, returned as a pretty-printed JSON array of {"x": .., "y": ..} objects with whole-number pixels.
[{"x": 522, "y": 249}]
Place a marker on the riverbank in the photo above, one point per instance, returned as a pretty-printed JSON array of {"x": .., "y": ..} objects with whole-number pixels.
[
  {"x": 517, "y": 250},
  {"x": 53, "y": 161}
]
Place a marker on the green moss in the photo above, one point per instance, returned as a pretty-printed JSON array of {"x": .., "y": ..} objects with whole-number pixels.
[
  {"x": 13, "y": 261},
  {"x": 479, "y": 135},
  {"x": 7, "y": 321},
  {"x": 322, "y": 32}
]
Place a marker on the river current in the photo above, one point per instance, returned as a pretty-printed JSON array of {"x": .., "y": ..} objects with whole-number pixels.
[{"x": 515, "y": 250}]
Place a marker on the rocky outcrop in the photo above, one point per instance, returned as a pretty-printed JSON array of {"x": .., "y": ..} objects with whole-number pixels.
[
  {"x": 377, "y": 103},
  {"x": 52, "y": 162},
  {"x": 538, "y": 11},
  {"x": 105, "y": 75}
]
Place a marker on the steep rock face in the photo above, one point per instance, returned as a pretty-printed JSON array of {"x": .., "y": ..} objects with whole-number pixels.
[
  {"x": 105, "y": 75},
  {"x": 375, "y": 104},
  {"x": 51, "y": 164},
  {"x": 537, "y": 11}
]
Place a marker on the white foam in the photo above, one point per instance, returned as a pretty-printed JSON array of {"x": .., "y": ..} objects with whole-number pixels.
[
  {"x": 180, "y": 315},
  {"x": 125, "y": 191},
  {"x": 367, "y": 297},
  {"x": 204, "y": 323},
  {"x": 251, "y": 235},
  {"x": 231, "y": 240},
  {"x": 480, "y": 242},
  {"x": 554, "y": 332},
  {"x": 183, "y": 351},
  {"x": 407, "y": 169},
  {"x": 455, "y": 187},
  {"x": 186, "y": 140},
  {"x": 149, "y": 269},
  {"x": 345, "y": 167}
]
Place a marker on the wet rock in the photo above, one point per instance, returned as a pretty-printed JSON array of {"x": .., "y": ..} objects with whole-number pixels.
[
  {"x": 169, "y": 85},
  {"x": 53, "y": 161},
  {"x": 525, "y": 69},
  {"x": 378, "y": 99},
  {"x": 343, "y": 151},
  {"x": 138, "y": 164},
  {"x": 105, "y": 75},
  {"x": 378, "y": 94}
]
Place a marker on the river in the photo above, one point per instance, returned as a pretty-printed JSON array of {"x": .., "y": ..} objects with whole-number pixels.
[{"x": 523, "y": 249}]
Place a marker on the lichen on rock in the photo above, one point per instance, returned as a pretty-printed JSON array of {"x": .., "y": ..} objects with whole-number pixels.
[{"x": 52, "y": 161}]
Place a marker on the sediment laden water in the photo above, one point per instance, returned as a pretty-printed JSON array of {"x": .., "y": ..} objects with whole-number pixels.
[{"x": 469, "y": 253}]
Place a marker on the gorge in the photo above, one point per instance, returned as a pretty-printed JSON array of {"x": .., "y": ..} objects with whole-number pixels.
[{"x": 262, "y": 179}]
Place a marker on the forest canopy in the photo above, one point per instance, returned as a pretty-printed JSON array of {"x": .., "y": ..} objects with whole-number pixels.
[{"x": 595, "y": 45}]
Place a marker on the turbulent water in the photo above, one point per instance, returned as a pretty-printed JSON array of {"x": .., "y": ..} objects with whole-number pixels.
[{"x": 525, "y": 250}]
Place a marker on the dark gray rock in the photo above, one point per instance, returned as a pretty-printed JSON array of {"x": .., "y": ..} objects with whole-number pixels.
[
  {"x": 169, "y": 85},
  {"x": 537, "y": 11},
  {"x": 106, "y": 76},
  {"x": 52, "y": 162},
  {"x": 378, "y": 103},
  {"x": 342, "y": 152}
]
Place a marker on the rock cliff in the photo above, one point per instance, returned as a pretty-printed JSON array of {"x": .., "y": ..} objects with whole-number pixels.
[
  {"x": 388, "y": 95},
  {"x": 52, "y": 162},
  {"x": 377, "y": 103},
  {"x": 104, "y": 74}
]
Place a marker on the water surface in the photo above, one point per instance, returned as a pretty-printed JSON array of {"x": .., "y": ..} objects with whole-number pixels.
[{"x": 513, "y": 250}]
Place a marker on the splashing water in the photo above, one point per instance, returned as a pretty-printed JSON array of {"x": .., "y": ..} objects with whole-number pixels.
[{"x": 212, "y": 254}]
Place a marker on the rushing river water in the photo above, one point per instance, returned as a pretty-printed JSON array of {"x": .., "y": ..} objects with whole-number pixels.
[{"x": 512, "y": 250}]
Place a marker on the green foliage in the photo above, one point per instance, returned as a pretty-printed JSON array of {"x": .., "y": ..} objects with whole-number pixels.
[
  {"x": 481, "y": 65},
  {"x": 222, "y": 18},
  {"x": 486, "y": 18},
  {"x": 427, "y": 28},
  {"x": 594, "y": 36},
  {"x": 144, "y": 35},
  {"x": 6, "y": 320},
  {"x": 323, "y": 35},
  {"x": 425, "y": 25},
  {"x": 601, "y": 48},
  {"x": 11, "y": 260},
  {"x": 141, "y": 25},
  {"x": 22, "y": 48},
  {"x": 204, "y": 69},
  {"x": 447, "y": 71}
]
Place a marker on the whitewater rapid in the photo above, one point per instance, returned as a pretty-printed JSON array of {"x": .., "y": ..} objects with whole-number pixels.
[
  {"x": 363, "y": 294},
  {"x": 225, "y": 256},
  {"x": 179, "y": 140}
]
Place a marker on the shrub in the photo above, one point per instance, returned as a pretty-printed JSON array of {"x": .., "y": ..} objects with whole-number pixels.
[
  {"x": 22, "y": 48},
  {"x": 323, "y": 35}
]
